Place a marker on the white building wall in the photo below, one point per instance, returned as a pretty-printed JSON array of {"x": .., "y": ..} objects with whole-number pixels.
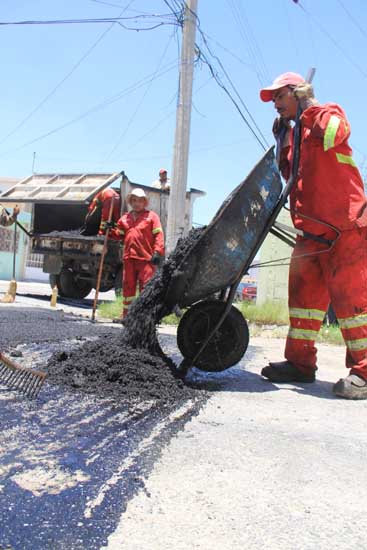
[{"x": 273, "y": 281}]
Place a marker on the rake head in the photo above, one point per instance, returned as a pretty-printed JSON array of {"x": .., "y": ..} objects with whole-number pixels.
[{"x": 19, "y": 378}]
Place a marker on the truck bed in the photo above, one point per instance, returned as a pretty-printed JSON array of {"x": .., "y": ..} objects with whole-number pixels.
[{"x": 72, "y": 244}]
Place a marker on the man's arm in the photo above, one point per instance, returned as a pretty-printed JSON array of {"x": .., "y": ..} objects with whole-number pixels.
[
  {"x": 328, "y": 123},
  {"x": 158, "y": 235}
]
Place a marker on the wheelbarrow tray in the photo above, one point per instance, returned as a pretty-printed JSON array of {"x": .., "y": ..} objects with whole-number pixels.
[{"x": 229, "y": 243}]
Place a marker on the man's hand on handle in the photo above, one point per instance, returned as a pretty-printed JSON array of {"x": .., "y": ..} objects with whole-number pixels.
[{"x": 305, "y": 95}]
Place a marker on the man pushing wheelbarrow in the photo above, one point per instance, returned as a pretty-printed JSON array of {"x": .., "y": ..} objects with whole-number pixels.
[{"x": 327, "y": 200}]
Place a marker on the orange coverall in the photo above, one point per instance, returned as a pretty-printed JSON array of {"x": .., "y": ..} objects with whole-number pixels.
[
  {"x": 103, "y": 199},
  {"x": 328, "y": 189},
  {"x": 142, "y": 235}
]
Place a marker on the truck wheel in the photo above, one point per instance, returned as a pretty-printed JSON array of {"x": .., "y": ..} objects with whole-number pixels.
[
  {"x": 69, "y": 286},
  {"x": 227, "y": 346}
]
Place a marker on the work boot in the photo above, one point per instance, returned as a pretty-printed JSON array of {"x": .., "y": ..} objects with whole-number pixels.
[
  {"x": 284, "y": 371},
  {"x": 351, "y": 387}
]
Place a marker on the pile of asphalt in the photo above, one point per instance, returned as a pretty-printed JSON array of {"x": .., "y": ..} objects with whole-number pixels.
[
  {"x": 130, "y": 366},
  {"x": 109, "y": 368}
]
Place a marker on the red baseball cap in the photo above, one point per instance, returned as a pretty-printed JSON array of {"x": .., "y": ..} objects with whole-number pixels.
[
  {"x": 286, "y": 79},
  {"x": 163, "y": 171}
]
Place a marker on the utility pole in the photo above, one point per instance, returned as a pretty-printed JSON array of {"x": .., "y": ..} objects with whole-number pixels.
[{"x": 177, "y": 199}]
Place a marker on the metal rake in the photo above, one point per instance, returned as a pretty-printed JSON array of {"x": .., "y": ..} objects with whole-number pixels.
[{"x": 19, "y": 378}]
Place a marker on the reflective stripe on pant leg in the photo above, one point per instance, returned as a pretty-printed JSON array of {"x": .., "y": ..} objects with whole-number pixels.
[
  {"x": 308, "y": 301},
  {"x": 348, "y": 288}
]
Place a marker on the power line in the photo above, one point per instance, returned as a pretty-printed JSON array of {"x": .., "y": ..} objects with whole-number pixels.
[
  {"x": 221, "y": 84},
  {"x": 163, "y": 119},
  {"x": 117, "y": 20},
  {"x": 61, "y": 82},
  {"x": 234, "y": 88},
  {"x": 248, "y": 40},
  {"x": 123, "y": 133},
  {"x": 97, "y": 107},
  {"x": 353, "y": 19},
  {"x": 331, "y": 38}
]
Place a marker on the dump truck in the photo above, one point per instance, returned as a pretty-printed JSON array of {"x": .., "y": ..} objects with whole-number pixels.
[{"x": 60, "y": 204}]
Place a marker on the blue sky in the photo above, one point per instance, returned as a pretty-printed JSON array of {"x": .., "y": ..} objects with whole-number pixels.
[{"x": 124, "y": 125}]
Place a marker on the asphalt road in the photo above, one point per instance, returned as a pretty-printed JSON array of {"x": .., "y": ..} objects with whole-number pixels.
[{"x": 251, "y": 465}]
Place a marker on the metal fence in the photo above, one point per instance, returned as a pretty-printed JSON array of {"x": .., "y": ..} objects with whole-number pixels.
[{"x": 34, "y": 260}]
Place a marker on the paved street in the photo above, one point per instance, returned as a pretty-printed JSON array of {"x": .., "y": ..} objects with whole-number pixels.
[{"x": 250, "y": 465}]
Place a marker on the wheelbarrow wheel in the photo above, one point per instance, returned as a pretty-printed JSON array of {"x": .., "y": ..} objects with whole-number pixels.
[{"x": 227, "y": 346}]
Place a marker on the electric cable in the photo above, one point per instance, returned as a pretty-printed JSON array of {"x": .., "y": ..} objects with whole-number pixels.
[
  {"x": 220, "y": 83},
  {"x": 162, "y": 120},
  {"x": 332, "y": 39},
  {"x": 353, "y": 19},
  {"x": 237, "y": 93},
  {"x": 130, "y": 121},
  {"x": 170, "y": 66},
  {"x": 95, "y": 20},
  {"x": 61, "y": 82},
  {"x": 250, "y": 42}
]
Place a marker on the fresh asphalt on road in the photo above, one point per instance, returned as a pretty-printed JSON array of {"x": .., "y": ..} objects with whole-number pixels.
[{"x": 250, "y": 465}]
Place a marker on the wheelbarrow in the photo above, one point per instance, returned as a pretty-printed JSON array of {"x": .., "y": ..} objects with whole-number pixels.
[{"x": 212, "y": 334}]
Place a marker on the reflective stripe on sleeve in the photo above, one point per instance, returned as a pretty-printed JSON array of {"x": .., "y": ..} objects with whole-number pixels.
[
  {"x": 302, "y": 334},
  {"x": 156, "y": 230},
  {"x": 313, "y": 314},
  {"x": 345, "y": 159},
  {"x": 330, "y": 132}
]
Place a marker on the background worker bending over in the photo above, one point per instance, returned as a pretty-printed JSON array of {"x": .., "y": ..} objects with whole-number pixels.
[
  {"x": 99, "y": 210},
  {"x": 142, "y": 236},
  {"x": 328, "y": 193}
]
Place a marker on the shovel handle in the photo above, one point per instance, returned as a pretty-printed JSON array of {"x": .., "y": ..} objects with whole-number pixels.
[{"x": 99, "y": 277}]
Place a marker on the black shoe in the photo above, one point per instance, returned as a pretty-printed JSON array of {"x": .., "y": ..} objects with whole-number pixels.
[
  {"x": 284, "y": 371},
  {"x": 351, "y": 387}
]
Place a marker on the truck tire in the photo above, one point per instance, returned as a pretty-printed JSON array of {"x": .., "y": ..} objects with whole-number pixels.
[
  {"x": 69, "y": 286},
  {"x": 227, "y": 346}
]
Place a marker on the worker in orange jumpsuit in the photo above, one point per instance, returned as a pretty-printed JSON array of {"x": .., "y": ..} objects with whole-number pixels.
[
  {"x": 102, "y": 201},
  {"x": 327, "y": 200},
  {"x": 143, "y": 240}
]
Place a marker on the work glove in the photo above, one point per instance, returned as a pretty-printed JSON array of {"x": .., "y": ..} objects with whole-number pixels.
[
  {"x": 110, "y": 225},
  {"x": 305, "y": 95},
  {"x": 304, "y": 90},
  {"x": 156, "y": 259}
]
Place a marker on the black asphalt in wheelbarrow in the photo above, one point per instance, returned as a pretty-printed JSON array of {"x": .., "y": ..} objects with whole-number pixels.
[{"x": 212, "y": 334}]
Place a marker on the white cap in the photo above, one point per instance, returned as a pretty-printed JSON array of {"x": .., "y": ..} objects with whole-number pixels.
[{"x": 138, "y": 193}]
